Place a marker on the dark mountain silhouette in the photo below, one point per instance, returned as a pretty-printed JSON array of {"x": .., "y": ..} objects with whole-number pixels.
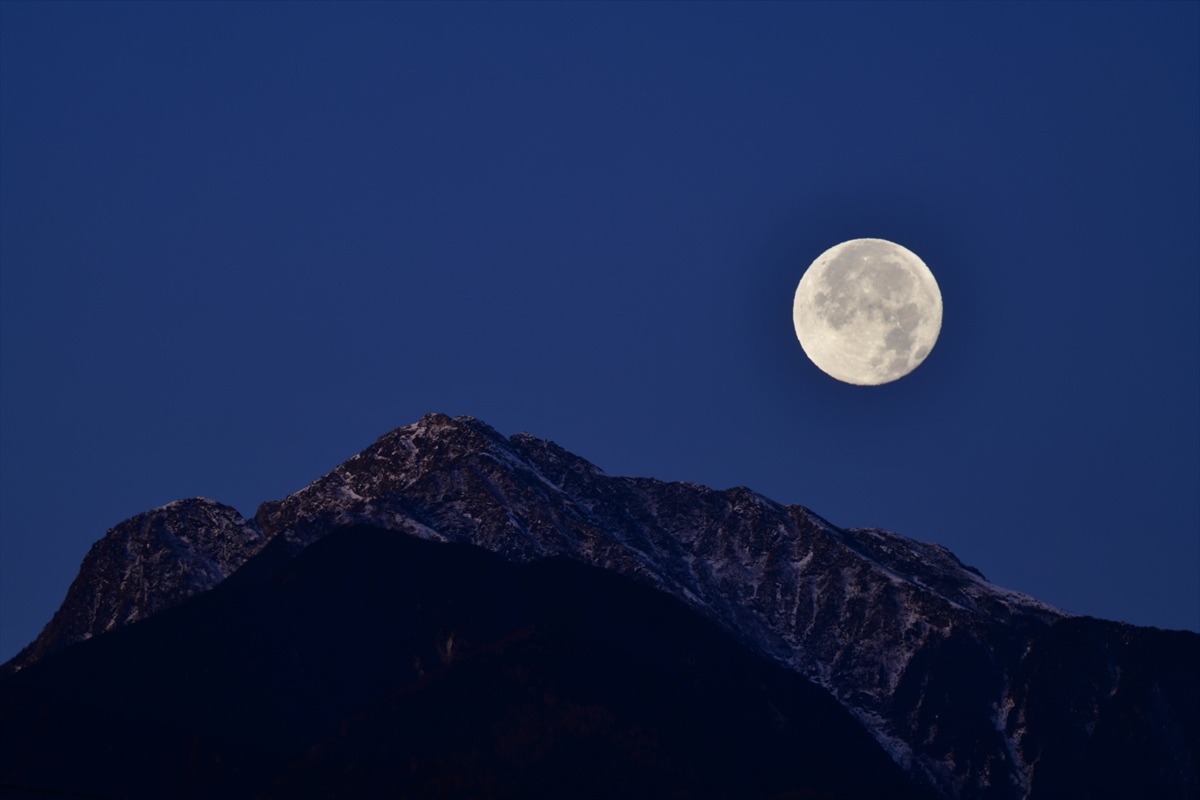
[
  {"x": 972, "y": 690},
  {"x": 380, "y": 665}
]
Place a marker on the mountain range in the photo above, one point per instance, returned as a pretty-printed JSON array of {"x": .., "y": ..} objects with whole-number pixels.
[{"x": 455, "y": 613}]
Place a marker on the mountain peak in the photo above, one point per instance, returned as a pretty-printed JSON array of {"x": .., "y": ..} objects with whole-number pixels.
[
  {"x": 437, "y": 424},
  {"x": 190, "y": 503},
  {"x": 148, "y": 563}
]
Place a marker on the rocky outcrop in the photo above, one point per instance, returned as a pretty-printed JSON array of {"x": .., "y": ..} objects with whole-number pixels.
[{"x": 146, "y": 564}]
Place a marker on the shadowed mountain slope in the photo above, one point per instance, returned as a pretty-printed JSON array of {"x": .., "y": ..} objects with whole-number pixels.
[{"x": 379, "y": 665}]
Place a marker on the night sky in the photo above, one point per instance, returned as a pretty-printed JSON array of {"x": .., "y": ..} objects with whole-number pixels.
[{"x": 240, "y": 242}]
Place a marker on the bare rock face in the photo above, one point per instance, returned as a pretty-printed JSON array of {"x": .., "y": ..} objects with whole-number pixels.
[{"x": 146, "y": 564}]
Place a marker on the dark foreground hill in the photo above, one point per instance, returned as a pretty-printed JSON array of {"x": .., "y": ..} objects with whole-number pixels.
[{"x": 380, "y": 665}]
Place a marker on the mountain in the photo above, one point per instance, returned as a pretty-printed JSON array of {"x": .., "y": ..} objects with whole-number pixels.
[{"x": 973, "y": 690}]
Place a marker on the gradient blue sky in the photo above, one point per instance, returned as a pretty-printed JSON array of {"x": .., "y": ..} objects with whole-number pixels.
[{"x": 240, "y": 242}]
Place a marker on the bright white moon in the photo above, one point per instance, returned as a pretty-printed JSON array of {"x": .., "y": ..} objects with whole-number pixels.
[{"x": 867, "y": 311}]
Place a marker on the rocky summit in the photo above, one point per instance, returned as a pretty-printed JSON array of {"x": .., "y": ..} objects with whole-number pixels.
[
  {"x": 973, "y": 690},
  {"x": 149, "y": 563}
]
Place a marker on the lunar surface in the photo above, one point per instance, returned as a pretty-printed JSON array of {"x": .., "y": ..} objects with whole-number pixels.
[{"x": 867, "y": 311}]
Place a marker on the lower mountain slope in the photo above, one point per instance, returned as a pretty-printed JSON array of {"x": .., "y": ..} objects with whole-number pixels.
[{"x": 373, "y": 664}]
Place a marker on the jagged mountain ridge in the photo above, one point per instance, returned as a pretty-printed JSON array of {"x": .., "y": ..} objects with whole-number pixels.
[{"x": 940, "y": 665}]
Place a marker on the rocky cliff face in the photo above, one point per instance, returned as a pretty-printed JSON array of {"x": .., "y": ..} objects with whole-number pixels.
[
  {"x": 960, "y": 680},
  {"x": 149, "y": 563}
]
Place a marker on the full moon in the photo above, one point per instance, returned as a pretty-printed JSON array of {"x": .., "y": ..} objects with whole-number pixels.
[{"x": 867, "y": 311}]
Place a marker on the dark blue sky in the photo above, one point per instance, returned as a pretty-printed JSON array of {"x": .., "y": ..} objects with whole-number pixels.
[{"x": 240, "y": 242}]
